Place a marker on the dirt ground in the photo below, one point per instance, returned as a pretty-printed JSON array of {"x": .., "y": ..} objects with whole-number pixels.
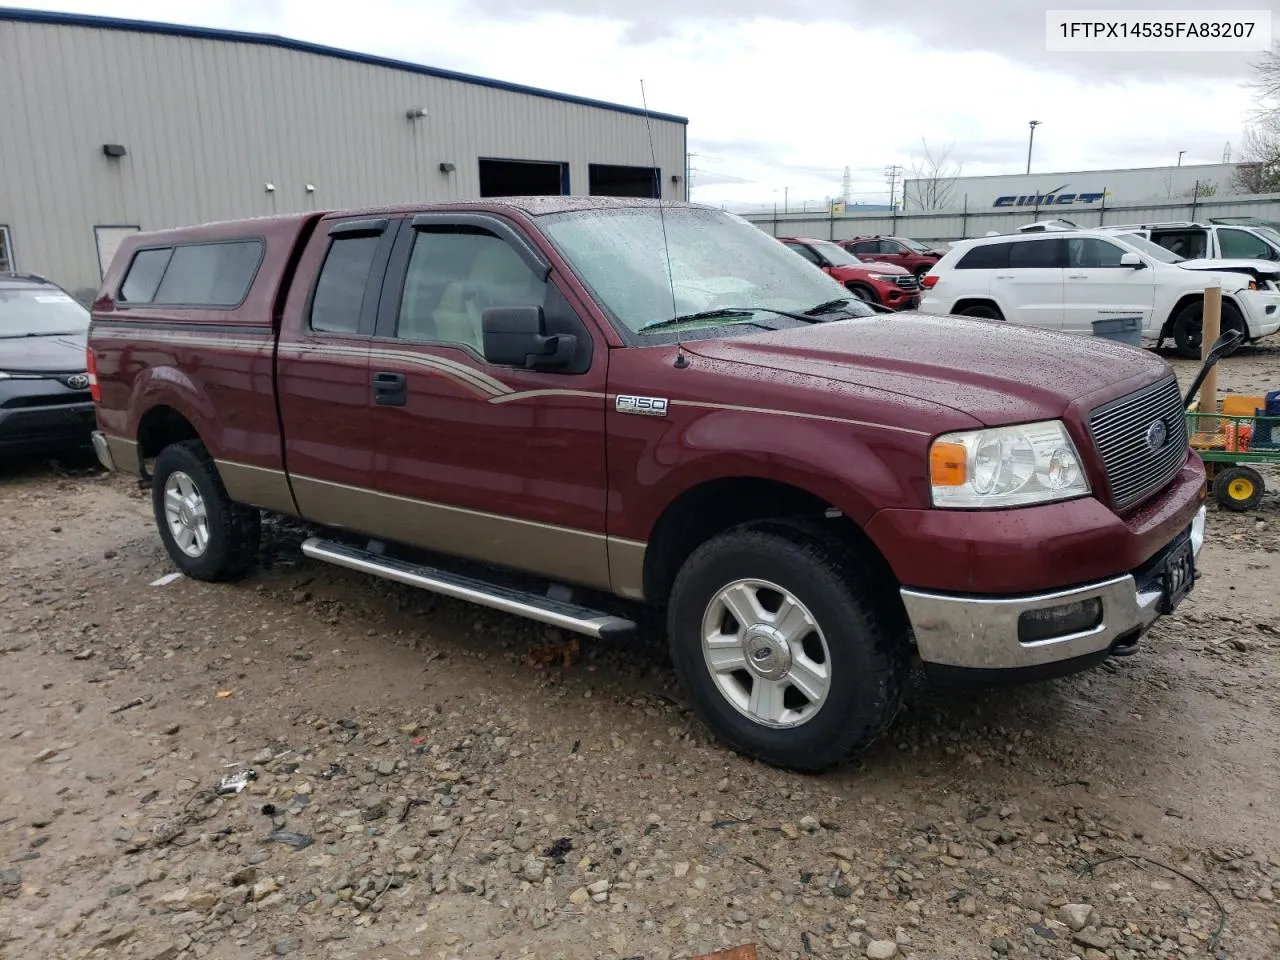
[{"x": 428, "y": 787}]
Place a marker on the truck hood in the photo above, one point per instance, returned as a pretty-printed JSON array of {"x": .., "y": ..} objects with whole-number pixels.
[
  {"x": 57, "y": 353},
  {"x": 995, "y": 372}
]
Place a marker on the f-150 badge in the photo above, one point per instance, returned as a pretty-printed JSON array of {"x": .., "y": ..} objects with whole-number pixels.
[{"x": 644, "y": 406}]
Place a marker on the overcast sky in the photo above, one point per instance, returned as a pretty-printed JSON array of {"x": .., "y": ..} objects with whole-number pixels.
[{"x": 782, "y": 95}]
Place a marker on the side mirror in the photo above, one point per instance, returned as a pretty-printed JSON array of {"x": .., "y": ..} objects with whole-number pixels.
[
  {"x": 1221, "y": 347},
  {"x": 517, "y": 337},
  {"x": 1132, "y": 260}
]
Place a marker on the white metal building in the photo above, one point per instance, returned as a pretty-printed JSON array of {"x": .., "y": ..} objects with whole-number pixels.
[
  {"x": 1071, "y": 192},
  {"x": 110, "y": 126}
]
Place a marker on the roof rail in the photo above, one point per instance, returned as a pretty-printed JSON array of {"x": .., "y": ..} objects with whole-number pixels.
[{"x": 16, "y": 275}]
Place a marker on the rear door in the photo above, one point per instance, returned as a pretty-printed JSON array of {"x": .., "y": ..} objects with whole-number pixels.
[
  {"x": 1030, "y": 290},
  {"x": 1099, "y": 288},
  {"x": 322, "y": 366}
]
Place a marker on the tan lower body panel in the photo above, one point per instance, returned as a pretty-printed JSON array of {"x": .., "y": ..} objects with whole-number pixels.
[
  {"x": 557, "y": 553},
  {"x": 257, "y": 486},
  {"x": 626, "y": 567},
  {"x": 124, "y": 454}
]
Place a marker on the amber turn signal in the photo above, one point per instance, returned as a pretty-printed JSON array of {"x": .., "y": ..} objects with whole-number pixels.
[{"x": 947, "y": 464}]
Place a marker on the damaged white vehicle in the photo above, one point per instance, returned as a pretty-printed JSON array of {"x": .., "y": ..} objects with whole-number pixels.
[{"x": 1067, "y": 279}]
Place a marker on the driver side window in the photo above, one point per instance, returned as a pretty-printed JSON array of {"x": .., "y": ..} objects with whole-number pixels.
[
  {"x": 454, "y": 275},
  {"x": 1238, "y": 244},
  {"x": 806, "y": 252}
]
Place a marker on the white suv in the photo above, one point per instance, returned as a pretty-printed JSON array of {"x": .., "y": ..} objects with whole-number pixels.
[{"x": 1066, "y": 280}]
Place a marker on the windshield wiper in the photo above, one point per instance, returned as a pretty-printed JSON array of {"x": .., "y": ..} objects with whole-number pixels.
[
  {"x": 832, "y": 305},
  {"x": 723, "y": 313}
]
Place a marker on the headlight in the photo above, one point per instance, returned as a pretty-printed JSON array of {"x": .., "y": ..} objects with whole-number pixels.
[
  {"x": 885, "y": 277},
  {"x": 1006, "y": 467}
]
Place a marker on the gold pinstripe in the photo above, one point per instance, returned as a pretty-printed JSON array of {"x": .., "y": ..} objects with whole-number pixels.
[{"x": 494, "y": 390}]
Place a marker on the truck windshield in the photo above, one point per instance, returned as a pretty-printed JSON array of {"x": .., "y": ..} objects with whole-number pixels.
[
  {"x": 717, "y": 260},
  {"x": 1152, "y": 250},
  {"x": 39, "y": 312}
]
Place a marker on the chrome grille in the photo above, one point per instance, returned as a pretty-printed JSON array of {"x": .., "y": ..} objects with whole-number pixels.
[
  {"x": 1120, "y": 428},
  {"x": 907, "y": 283}
]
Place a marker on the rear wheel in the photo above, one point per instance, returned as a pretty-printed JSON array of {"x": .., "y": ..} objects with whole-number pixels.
[
  {"x": 1238, "y": 488},
  {"x": 1188, "y": 328},
  {"x": 788, "y": 645},
  {"x": 206, "y": 534},
  {"x": 984, "y": 310}
]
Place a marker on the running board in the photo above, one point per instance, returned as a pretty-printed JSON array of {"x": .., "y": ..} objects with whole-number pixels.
[{"x": 558, "y": 613}]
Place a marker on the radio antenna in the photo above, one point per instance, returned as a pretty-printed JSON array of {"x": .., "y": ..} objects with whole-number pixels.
[{"x": 681, "y": 360}]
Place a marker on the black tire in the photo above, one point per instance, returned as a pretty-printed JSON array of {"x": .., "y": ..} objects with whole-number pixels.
[
  {"x": 1188, "y": 328},
  {"x": 849, "y": 599},
  {"x": 234, "y": 530},
  {"x": 1238, "y": 488},
  {"x": 920, "y": 274},
  {"x": 862, "y": 292},
  {"x": 984, "y": 310}
]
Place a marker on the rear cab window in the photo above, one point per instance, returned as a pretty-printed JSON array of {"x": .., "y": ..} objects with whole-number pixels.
[
  {"x": 345, "y": 295},
  {"x": 213, "y": 275}
]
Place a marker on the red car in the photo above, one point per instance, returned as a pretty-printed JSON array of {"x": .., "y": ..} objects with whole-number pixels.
[
  {"x": 881, "y": 283},
  {"x": 911, "y": 255}
]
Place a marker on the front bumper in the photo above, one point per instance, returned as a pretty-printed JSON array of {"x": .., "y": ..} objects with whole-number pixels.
[
  {"x": 47, "y": 427},
  {"x": 977, "y": 638},
  {"x": 1262, "y": 312}
]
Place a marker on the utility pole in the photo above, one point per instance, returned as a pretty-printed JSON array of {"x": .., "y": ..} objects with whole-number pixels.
[
  {"x": 1031, "y": 141},
  {"x": 786, "y": 203},
  {"x": 1180, "y": 153},
  {"x": 891, "y": 174}
]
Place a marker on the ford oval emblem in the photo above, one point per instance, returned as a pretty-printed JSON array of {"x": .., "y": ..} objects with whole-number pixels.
[
  {"x": 1157, "y": 434},
  {"x": 77, "y": 381}
]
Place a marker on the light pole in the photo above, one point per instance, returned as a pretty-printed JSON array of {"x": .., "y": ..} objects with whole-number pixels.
[
  {"x": 1030, "y": 142},
  {"x": 1180, "y": 153}
]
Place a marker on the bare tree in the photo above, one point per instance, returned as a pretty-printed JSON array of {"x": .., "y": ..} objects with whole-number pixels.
[
  {"x": 1259, "y": 170},
  {"x": 935, "y": 178}
]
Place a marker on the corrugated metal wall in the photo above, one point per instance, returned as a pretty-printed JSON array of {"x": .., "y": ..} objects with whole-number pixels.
[
  {"x": 958, "y": 226},
  {"x": 208, "y": 123}
]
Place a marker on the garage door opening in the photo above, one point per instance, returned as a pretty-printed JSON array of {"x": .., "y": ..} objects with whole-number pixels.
[
  {"x": 608, "y": 180},
  {"x": 523, "y": 178}
]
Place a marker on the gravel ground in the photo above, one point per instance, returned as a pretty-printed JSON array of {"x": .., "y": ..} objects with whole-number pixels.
[{"x": 436, "y": 781}]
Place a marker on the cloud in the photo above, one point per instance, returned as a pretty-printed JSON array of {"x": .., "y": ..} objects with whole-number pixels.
[
  {"x": 782, "y": 95},
  {"x": 1013, "y": 28}
]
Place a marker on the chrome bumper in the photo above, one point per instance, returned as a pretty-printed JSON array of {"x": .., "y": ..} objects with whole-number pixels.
[
  {"x": 103, "y": 450},
  {"x": 982, "y": 634}
]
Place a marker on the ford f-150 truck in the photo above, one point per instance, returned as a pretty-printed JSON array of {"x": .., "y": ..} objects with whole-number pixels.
[{"x": 567, "y": 407}]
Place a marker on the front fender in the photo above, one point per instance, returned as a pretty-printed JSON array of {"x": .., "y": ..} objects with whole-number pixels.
[{"x": 859, "y": 469}]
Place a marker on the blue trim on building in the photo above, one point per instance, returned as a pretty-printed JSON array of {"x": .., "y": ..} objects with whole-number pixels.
[{"x": 284, "y": 43}]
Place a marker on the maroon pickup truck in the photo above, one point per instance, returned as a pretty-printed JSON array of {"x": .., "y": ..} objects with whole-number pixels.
[{"x": 564, "y": 408}]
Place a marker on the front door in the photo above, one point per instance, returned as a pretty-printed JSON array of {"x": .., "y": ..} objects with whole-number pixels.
[
  {"x": 502, "y": 465},
  {"x": 1098, "y": 287}
]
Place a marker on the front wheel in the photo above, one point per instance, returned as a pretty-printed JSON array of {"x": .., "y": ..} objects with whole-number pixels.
[
  {"x": 207, "y": 535},
  {"x": 788, "y": 645},
  {"x": 865, "y": 294},
  {"x": 1188, "y": 328}
]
